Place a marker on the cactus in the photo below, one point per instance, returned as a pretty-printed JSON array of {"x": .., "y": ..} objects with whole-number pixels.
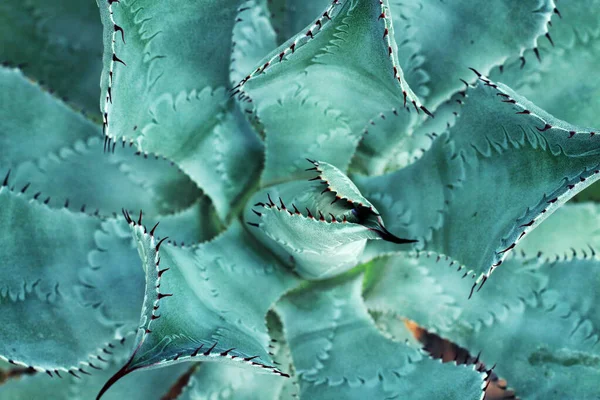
[{"x": 301, "y": 183}]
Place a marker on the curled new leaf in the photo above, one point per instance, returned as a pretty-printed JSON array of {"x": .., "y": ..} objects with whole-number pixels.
[{"x": 323, "y": 229}]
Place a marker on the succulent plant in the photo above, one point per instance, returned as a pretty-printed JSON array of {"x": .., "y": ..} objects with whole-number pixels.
[{"x": 327, "y": 175}]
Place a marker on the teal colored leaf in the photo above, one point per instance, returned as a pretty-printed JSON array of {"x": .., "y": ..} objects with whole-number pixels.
[
  {"x": 147, "y": 385},
  {"x": 195, "y": 224},
  {"x": 348, "y": 50},
  {"x": 422, "y": 287},
  {"x": 340, "y": 185},
  {"x": 325, "y": 226},
  {"x": 561, "y": 83},
  {"x": 488, "y": 182},
  {"x": 575, "y": 20},
  {"x": 331, "y": 334},
  {"x": 52, "y": 42},
  {"x": 289, "y": 17},
  {"x": 386, "y": 139},
  {"x": 71, "y": 289},
  {"x": 68, "y": 166},
  {"x": 205, "y": 303},
  {"x": 592, "y": 193},
  {"x": 253, "y": 38},
  {"x": 27, "y": 112},
  {"x": 219, "y": 380},
  {"x": 187, "y": 116},
  {"x": 439, "y": 45},
  {"x": 394, "y": 328},
  {"x": 536, "y": 321},
  {"x": 389, "y": 144},
  {"x": 573, "y": 229}
]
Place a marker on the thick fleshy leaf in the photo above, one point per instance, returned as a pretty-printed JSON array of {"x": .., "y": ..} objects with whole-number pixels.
[
  {"x": 537, "y": 321},
  {"x": 54, "y": 41},
  {"x": 218, "y": 380},
  {"x": 573, "y": 229},
  {"x": 502, "y": 169},
  {"x": 324, "y": 231},
  {"x": 394, "y": 146},
  {"x": 576, "y": 19},
  {"x": 206, "y": 303},
  {"x": 562, "y": 81},
  {"x": 340, "y": 185},
  {"x": 146, "y": 385},
  {"x": 187, "y": 116},
  {"x": 253, "y": 38},
  {"x": 196, "y": 224},
  {"x": 421, "y": 287},
  {"x": 558, "y": 83},
  {"x": 69, "y": 167},
  {"x": 71, "y": 289},
  {"x": 139, "y": 57},
  {"x": 590, "y": 194},
  {"x": 289, "y": 17},
  {"x": 438, "y": 45},
  {"x": 331, "y": 334},
  {"x": 348, "y": 49},
  {"x": 28, "y": 112}
]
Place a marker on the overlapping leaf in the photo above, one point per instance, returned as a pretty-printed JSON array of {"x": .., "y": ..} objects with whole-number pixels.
[
  {"x": 71, "y": 290},
  {"x": 149, "y": 385},
  {"x": 325, "y": 84},
  {"x": 54, "y": 41},
  {"x": 562, "y": 82},
  {"x": 536, "y": 321},
  {"x": 216, "y": 380},
  {"x": 573, "y": 229},
  {"x": 440, "y": 40},
  {"x": 500, "y": 171},
  {"x": 394, "y": 146},
  {"x": 206, "y": 303},
  {"x": 289, "y": 17},
  {"x": 253, "y": 38},
  {"x": 59, "y": 153},
  {"x": 186, "y": 116},
  {"x": 331, "y": 334}
]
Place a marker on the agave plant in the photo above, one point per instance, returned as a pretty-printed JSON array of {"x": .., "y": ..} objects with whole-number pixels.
[{"x": 326, "y": 174}]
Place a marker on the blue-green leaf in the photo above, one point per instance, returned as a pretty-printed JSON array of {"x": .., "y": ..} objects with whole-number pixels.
[
  {"x": 53, "y": 42},
  {"x": 502, "y": 169},
  {"x": 206, "y": 303},
  {"x": 144, "y": 386},
  {"x": 71, "y": 289},
  {"x": 289, "y": 17},
  {"x": 562, "y": 81},
  {"x": 325, "y": 226},
  {"x": 187, "y": 116},
  {"x": 573, "y": 229},
  {"x": 440, "y": 40},
  {"x": 536, "y": 321},
  {"x": 350, "y": 50},
  {"x": 219, "y": 380},
  {"x": 393, "y": 146},
  {"x": 69, "y": 167},
  {"x": 253, "y": 38},
  {"x": 332, "y": 339}
]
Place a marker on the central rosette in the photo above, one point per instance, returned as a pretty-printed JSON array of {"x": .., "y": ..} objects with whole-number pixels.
[{"x": 320, "y": 226}]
